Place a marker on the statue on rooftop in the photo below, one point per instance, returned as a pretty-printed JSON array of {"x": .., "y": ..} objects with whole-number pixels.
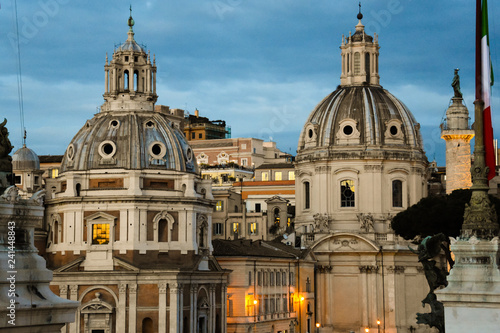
[
  {"x": 5, "y": 148},
  {"x": 456, "y": 85}
]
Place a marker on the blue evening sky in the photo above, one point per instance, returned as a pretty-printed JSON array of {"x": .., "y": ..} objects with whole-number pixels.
[{"x": 260, "y": 65}]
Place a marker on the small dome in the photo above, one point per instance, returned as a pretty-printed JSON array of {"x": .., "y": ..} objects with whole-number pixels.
[
  {"x": 132, "y": 140},
  {"x": 130, "y": 45},
  {"x": 359, "y": 117},
  {"x": 25, "y": 159}
]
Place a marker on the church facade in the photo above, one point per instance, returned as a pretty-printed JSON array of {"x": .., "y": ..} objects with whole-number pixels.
[
  {"x": 129, "y": 219},
  {"x": 360, "y": 161}
]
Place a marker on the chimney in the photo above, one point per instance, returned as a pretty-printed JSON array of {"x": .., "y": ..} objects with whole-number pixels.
[{"x": 196, "y": 113}]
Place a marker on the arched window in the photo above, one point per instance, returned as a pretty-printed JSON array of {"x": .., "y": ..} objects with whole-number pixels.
[
  {"x": 348, "y": 65},
  {"x": 307, "y": 197},
  {"x": 125, "y": 80},
  {"x": 136, "y": 80},
  {"x": 78, "y": 189},
  {"x": 277, "y": 216},
  {"x": 347, "y": 193},
  {"x": 397, "y": 193},
  {"x": 162, "y": 230},
  {"x": 357, "y": 63}
]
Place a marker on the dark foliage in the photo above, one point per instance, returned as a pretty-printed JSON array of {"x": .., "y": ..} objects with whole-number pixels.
[{"x": 434, "y": 215}]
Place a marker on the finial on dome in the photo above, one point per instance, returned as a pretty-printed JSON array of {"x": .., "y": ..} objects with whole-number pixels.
[
  {"x": 130, "y": 21},
  {"x": 360, "y": 16}
]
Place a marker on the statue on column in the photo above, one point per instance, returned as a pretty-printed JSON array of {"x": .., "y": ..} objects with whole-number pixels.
[{"x": 456, "y": 85}]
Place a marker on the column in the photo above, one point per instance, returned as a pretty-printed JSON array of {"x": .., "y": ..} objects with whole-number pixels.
[
  {"x": 121, "y": 313},
  {"x": 174, "y": 308},
  {"x": 154, "y": 81},
  {"x": 180, "y": 313},
  {"x": 162, "y": 307},
  {"x": 211, "y": 318},
  {"x": 63, "y": 293},
  {"x": 75, "y": 326},
  {"x": 132, "y": 308},
  {"x": 106, "y": 76},
  {"x": 131, "y": 79},
  {"x": 363, "y": 270},
  {"x": 223, "y": 308},
  {"x": 194, "y": 300},
  {"x": 148, "y": 80}
]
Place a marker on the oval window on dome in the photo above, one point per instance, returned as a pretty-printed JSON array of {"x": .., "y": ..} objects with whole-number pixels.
[
  {"x": 71, "y": 152},
  {"x": 394, "y": 130},
  {"x": 189, "y": 154},
  {"x": 348, "y": 130},
  {"x": 107, "y": 149},
  {"x": 150, "y": 124},
  {"x": 310, "y": 133},
  {"x": 157, "y": 150},
  {"x": 114, "y": 123}
]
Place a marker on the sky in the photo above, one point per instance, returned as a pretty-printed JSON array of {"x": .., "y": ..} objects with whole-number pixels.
[{"x": 260, "y": 65}]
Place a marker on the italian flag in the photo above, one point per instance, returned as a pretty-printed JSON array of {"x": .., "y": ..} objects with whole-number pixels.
[{"x": 485, "y": 81}]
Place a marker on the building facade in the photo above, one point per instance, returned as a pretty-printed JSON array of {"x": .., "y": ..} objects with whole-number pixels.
[{"x": 129, "y": 220}]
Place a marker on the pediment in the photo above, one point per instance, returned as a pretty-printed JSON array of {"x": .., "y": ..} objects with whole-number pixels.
[
  {"x": 345, "y": 243},
  {"x": 100, "y": 215}
]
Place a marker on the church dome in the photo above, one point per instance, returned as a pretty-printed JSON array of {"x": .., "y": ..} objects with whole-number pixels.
[
  {"x": 360, "y": 116},
  {"x": 25, "y": 159},
  {"x": 131, "y": 140}
]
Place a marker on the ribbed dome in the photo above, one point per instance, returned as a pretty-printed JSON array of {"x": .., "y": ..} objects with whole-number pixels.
[
  {"x": 131, "y": 140},
  {"x": 25, "y": 159},
  {"x": 358, "y": 117}
]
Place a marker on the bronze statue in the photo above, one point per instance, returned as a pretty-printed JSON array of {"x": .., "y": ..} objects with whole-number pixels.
[
  {"x": 456, "y": 85},
  {"x": 428, "y": 249},
  {"x": 5, "y": 148}
]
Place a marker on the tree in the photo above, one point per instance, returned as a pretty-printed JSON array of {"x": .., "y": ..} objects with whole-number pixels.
[{"x": 434, "y": 215}]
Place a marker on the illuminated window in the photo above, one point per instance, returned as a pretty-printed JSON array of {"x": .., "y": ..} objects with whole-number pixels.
[
  {"x": 278, "y": 175},
  {"x": 253, "y": 228},
  {"x": 347, "y": 193},
  {"x": 236, "y": 228},
  {"x": 54, "y": 173},
  {"x": 276, "y": 216},
  {"x": 397, "y": 193},
  {"x": 100, "y": 233},
  {"x": 219, "y": 206},
  {"x": 291, "y": 175},
  {"x": 265, "y": 176}
]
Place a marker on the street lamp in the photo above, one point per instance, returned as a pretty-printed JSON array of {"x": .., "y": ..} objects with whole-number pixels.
[
  {"x": 317, "y": 327},
  {"x": 367, "y": 330},
  {"x": 378, "y": 325}
]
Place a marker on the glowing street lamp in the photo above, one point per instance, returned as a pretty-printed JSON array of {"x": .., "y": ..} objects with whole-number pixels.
[
  {"x": 378, "y": 325},
  {"x": 367, "y": 330},
  {"x": 317, "y": 327}
]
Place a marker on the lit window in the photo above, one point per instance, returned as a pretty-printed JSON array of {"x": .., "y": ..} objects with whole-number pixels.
[
  {"x": 265, "y": 176},
  {"x": 236, "y": 228},
  {"x": 100, "y": 233},
  {"x": 219, "y": 206},
  {"x": 55, "y": 173},
  {"x": 291, "y": 175},
  {"x": 278, "y": 175},
  {"x": 347, "y": 193},
  {"x": 253, "y": 228},
  {"x": 307, "y": 198},
  {"x": 277, "y": 216},
  {"x": 397, "y": 193}
]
